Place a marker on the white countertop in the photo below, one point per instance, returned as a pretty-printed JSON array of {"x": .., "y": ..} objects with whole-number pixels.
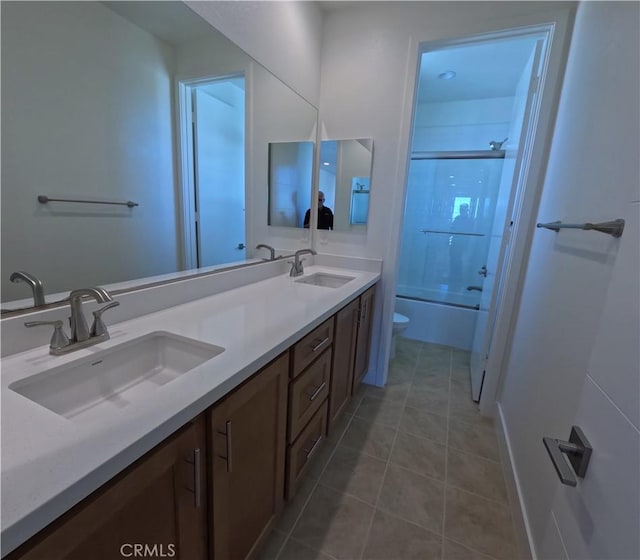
[{"x": 49, "y": 463}]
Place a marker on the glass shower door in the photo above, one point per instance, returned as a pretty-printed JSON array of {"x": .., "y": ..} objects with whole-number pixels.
[{"x": 451, "y": 203}]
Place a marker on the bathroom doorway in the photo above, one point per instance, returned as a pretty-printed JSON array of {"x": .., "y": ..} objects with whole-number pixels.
[
  {"x": 474, "y": 119},
  {"x": 212, "y": 120}
]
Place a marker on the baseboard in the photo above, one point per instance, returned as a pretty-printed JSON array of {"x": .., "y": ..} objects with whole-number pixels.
[{"x": 518, "y": 513}]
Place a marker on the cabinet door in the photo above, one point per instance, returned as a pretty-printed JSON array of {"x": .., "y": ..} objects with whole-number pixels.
[
  {"x": 344, "y": 349},
  {"x": 247, "y": 436},
  {"x": 157, "y": 505},
  {"x": 363, "y": 343}
]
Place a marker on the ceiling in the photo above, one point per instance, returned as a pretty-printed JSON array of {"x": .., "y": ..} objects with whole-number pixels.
[
  {"x": 173, "y": 22},
  {"x": 489, "y": 69},
  {"x": 485, "y": 70}
]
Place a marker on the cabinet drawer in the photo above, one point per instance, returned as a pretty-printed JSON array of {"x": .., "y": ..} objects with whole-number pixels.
[
  {"x": 307, "y": 393},
  {"x": 311, "y": 346},
  {"x": 302, "y": 451}
]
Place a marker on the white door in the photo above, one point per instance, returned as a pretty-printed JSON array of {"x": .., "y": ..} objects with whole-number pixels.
[
  {"x": 600, "y": 517},
  {"x": 574, "y": 353},
  {"x": 510, "y": 182},
  {"x": 219, "y": 146}
]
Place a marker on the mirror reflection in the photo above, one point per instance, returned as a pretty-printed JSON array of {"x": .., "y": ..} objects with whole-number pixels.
[
  {"x": 345, "y": 182},
  {"x": 290, "y": 182},
  {"x": 97, "y": 105}
]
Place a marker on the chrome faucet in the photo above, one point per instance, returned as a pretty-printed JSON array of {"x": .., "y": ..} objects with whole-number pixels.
[
  {"x": 296, "y": 265},
  {"x": 79, "y": 328},
  {"x": 37, "y": 288},
  {"x": 272, "y": 251},
  {"x": 81, "y": 335}
]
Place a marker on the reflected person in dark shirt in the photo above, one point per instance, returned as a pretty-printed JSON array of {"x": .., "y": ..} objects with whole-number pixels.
[
  {"x": 459, "y": 246},
  {"x": 325, "y": 215}
]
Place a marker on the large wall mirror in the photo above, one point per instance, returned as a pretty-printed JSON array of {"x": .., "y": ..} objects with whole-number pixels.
[
  {"x": 344, "y": 183},
  {"x": 151, "y": 118}
]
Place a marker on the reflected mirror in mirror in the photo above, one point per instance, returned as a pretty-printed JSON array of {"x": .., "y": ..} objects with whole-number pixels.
[
  {"x": 290, "y": 182},
  {"x": 97, "y": 99},
  {"x": 345, "y": 180}
]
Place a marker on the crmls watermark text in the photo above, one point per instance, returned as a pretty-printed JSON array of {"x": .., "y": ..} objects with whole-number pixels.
[{"x": 139, "y": 550}]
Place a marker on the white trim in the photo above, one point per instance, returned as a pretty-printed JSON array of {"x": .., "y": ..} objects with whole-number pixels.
[
  {"x": 249, "y": 173},
  {"x": 186, "y": 188},
  {"x": 519, "y": 516},
  {"x": 525, "y": 209},
  {"x": 519, "y": 185},
  {"x": 386, "y": 300}
]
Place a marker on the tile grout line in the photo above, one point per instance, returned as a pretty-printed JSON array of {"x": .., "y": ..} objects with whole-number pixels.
[
  {"x": 386, "y": 467},
  {"x": 289, "y": 534},
  {"x": 446, "y": 458},
  {"x": 305, "y": 545},
  {"x": 487, "y": 556}
]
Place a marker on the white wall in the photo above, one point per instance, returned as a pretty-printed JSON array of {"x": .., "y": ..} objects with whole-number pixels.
[
  {"x": 278, "y": 114},
  {"x": 369, "y": 94},
  {"x": 574, "y": 355},
  {"x": 84, "y": 123},
  {"x": 461, "y": 125},
  {"x": 285, "y": 37}
]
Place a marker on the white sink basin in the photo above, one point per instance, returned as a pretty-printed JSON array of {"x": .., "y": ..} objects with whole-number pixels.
[
  {"x": 325, "y": 280},
  {"x": 116, "y": 377}
]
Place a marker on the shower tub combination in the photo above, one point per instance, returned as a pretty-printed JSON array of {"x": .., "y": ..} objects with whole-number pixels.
[{"x": 450, "y": 208}]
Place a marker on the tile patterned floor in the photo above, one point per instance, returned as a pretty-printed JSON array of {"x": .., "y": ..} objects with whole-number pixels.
[{"x": 411, "y": 472}]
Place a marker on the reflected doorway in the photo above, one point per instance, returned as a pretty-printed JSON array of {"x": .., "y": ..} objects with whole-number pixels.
[{"x": 213, "y": 170}]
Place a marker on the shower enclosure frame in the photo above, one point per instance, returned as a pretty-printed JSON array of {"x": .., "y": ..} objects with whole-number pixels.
[{"x": 463, "y": 155}]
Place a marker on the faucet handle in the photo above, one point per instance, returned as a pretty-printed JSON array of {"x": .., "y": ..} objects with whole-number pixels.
[
  {"x": 58, "y": 339},
  {"x": 99, "y": 328}
]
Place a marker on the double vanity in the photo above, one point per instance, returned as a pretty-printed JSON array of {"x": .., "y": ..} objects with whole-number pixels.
[{"x": 189, "y": 428}]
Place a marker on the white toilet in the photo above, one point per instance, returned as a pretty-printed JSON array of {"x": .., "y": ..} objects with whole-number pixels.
[{"x": 400, "y": 324}]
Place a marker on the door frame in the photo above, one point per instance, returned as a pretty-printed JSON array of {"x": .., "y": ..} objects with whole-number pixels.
[
  {"x": 530, "y": 168},
  {"x": 518, "y": 183},
  {"x": 558, "y": 33},
  {"x": 186, "y": 162}
]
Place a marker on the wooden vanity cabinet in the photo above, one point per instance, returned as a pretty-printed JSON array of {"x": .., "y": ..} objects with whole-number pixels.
[
  {"x": 308, "y": 392},
  {"x": 159, "y": 501},
  {"x": 247, "y": 431},
  {"x": 363, "y": 338},
  {"x": 213, "y": 489},
  {"x": 344, "y": 351}
]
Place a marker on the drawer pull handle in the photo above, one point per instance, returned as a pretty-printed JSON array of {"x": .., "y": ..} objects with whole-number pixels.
[
  {"x": 229, "y": 457},
  {"x": 196, "y": 477},
  {"x": 313, "y": 396},
  {"x": 311, "y": 451},
  {"x": 320, "y": 344}
]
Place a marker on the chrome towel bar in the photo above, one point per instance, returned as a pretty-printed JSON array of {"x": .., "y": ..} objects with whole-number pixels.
[
  {"x": 43, "y": 199},
  {"x": 614, "y": 227}
]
